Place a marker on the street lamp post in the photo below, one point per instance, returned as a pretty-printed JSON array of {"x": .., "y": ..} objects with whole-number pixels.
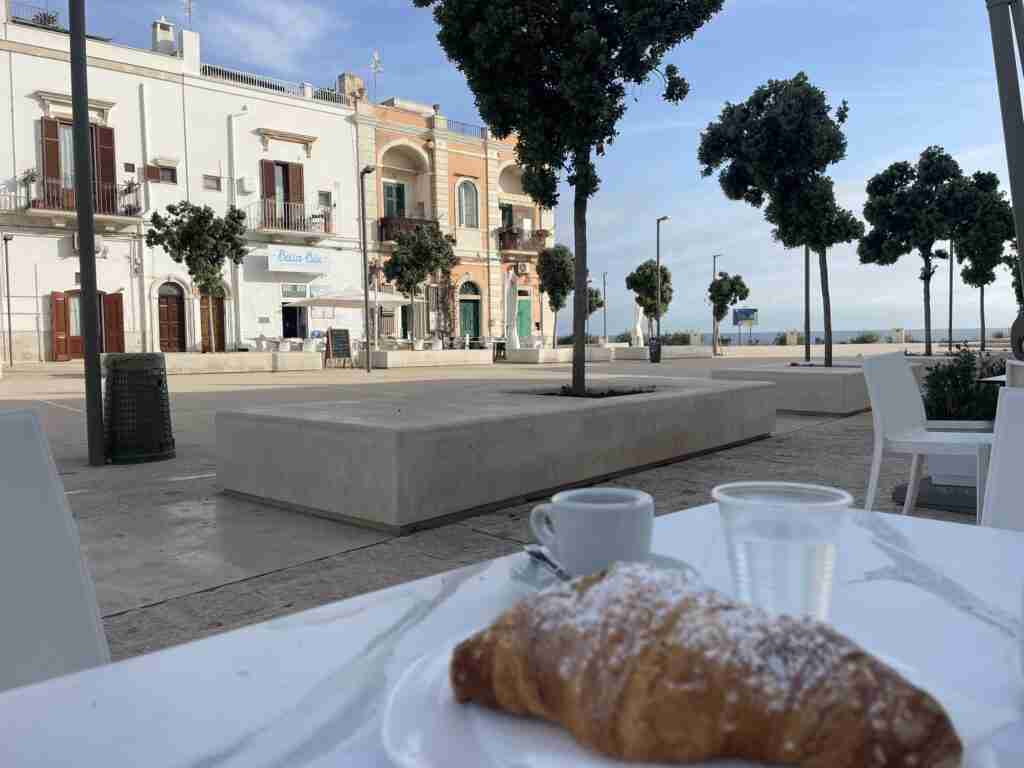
[
  {"x": 604, "y": 296},
  {"x": 7, "y": 282},
  {"x": 714, "y": 321},
  {"x": 657, "y": 272},
  {"x": 366, "y": 266}
]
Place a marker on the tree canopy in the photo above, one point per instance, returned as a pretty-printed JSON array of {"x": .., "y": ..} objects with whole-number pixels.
[
  {"x": 908, "y": 209},
  {"x": 726, "y": 291},
  {"x": 555, "y": 272},
  {"x": 417, "y": 255},
  {"x": 594, "y": 301},
  {"x": 197, "y": 237},
  {"x": 981, "y": 221},
  {"x": 643, "y": 281}
]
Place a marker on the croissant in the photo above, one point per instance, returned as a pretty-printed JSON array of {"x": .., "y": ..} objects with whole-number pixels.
[{"x": 642, "y": 665}]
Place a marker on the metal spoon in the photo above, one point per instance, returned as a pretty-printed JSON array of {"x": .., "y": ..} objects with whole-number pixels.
[{"x": 541, "y": 555}]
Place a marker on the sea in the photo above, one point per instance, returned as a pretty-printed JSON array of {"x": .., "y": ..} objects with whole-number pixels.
[{"x": 842, "y": 337}]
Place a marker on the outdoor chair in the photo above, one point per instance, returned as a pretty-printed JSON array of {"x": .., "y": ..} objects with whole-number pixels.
[
  {"x": 1002, "y": 508},
  {"x": 1014, "y": 373},
  {"x": 52, "y": 622},
  {"x": 901, "y": 427}
]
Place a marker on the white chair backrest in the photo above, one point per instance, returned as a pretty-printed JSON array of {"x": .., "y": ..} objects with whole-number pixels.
[
  {"x": 1003, "y": 507},
  {"x": 896, "y": 404},
  {"x": 51, "y": 621},
  {"x": 1014, "y": 373}
]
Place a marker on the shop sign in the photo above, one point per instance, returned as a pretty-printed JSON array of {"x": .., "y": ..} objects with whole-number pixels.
[{"x": 283, "y": 258}]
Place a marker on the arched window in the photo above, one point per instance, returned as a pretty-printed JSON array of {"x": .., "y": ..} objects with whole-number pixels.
[
  {"x": 469, "y": 288},
  {"x": 469, "y": 206}
]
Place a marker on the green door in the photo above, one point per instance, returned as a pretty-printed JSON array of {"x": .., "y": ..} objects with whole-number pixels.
[
  {"x": 524, "y": 318},
  {"x": 469, "y": 318}
]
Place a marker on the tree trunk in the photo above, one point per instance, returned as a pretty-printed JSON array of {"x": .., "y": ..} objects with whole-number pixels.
[
  {"x": 927, "y": 307},
  {"x": 715, "y": 339},
  {"x": 807, "y": 304},
  {"x": 951, "y": 263},
  {"x": 826, "y": 306},
  {"x": 554, "y": 332},
  {"x": 209, "y": 315},
  {"x": 982, "y": 290},
  {"x": 579, "y": 314}
]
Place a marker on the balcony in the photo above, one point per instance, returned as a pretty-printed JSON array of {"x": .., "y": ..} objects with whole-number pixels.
[
  {"x": 392, "y": 226},
  {"x": 111, "y": 202},
  {"x": 514, "y": 239},
  {"x": 290, "y": 220}
]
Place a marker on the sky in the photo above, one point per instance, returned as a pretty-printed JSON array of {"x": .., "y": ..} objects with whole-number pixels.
[{"x": 914, "y": 74}]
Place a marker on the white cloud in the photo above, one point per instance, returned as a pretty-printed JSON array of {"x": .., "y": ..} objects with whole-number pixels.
[{"x": 271, "y": 37}]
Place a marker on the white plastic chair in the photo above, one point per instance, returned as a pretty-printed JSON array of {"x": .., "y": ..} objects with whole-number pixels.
[
  {"x": 1014, "y": 373},
  {"x": 901, "y": 427},
  {"x": 1003, "y": 508},
  {"x": 51, "y": 620}
]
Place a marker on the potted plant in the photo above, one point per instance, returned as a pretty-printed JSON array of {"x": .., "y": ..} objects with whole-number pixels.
[
  {"x": 953, "y": 391},
  {"x": 28, "y": 178}
]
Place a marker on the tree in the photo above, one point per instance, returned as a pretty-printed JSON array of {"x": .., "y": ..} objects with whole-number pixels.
[
  {"x": 556, "y": 74},
  {"x": 776, "y": 147},
  {"x": 907, "y": 211},
  {"x": 981, "y": 225},
  {"x": 418, "y": 255},
  {"x": 555, "y": 267},
  {"x": 594, "y": 301},
  {"x": 643, "y": 281},
  {"x": 197, "y": 237},
  {"x": 1012, "y": 262},
  {"x": 725, "y": 291}
]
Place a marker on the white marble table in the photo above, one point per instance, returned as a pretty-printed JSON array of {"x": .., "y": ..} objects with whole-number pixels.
[{"x": 940, "y": 599}]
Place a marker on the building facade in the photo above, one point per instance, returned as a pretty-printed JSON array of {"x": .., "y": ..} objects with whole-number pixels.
[{"x": 166, "y": 128}]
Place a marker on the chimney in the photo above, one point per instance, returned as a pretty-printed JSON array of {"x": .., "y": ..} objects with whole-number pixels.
[
  {"x": 351, "y": 85},
  {"x": 164, "y": 38}
]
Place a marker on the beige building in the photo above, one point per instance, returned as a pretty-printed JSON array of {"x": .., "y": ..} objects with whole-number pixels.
[{"x": 436, "y": 171}]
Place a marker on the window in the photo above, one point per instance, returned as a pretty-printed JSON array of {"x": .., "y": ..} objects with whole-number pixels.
[
  {"x": 293, "y": 290},
  {"x": 394, "y": 199},
  {"x": 323, "y": 199},
  {"x": 162, "y": 173},
  {"x": 67, "y": 156},
  {"x": 57, "y": 179},
  {"x": 74, "y": 314},
  {"x": 469, "y": 289},
  {"x": 211, "y": 182},
  {"x": 507, "y": 216},
  {"x": 468, "y": 205}
]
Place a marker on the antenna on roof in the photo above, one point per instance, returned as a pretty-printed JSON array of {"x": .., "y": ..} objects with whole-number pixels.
[
  {"x": 376, "y": 67},
  {"x": 188, "y": 12}
]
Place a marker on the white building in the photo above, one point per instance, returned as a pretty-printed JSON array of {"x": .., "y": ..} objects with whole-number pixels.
[{"x": 168, "y": 128}]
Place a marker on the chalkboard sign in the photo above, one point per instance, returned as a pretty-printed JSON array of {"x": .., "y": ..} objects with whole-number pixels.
[{"x": 339, "y": 345}]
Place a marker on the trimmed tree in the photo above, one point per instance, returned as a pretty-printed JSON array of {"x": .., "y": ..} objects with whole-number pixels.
[
  {"x": 725, "y": 291},
  {"x": 197, "y": 237},
  {"x": 776, "y": 147},
  {"x": 1013, "y": 263},
  {"x": 556, "y": 74},
  {"x": 812, "y": 218},
  {"x": 982, "y": 226},
  {"x": 418, "y": 255},
  {"x": 555, "y": 268},
  {"x": 643, "y": 281},
  {"x": 906, "y": 208},
  {"x": 594, "y": 301}
]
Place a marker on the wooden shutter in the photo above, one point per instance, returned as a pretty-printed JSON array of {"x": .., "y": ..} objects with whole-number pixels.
[
  {"x": 152, "y": 173},
  {"x": 50, "y": 134},
  {"x": 106, "y": 169},
  {"x": 267, "y": 178},
  {"x": 59, "y": 325},
  {"x": 296, "y": 184},
  {"x": 113, "y": 323}
]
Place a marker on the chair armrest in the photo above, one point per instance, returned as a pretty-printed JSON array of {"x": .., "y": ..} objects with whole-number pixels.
[{"x": 959, "y": 426}]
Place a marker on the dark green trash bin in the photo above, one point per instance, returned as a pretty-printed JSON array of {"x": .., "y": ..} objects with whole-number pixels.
[
  {"x": 137, "y": 410},
  {"x": 655, "y": 350}
]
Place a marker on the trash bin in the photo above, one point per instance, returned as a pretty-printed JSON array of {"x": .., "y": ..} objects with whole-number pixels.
[
  {"x": 137, "y": 409},
  {"x": 655, "y": 351}
]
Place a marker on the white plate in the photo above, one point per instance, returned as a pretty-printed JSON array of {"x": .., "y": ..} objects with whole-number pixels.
[
  {"x": 424, "y": 727},
  {"x": 529, "y": 572}
]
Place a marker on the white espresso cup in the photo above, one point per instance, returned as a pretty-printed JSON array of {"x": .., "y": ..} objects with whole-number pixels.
[{"x": 589, "y": 529}]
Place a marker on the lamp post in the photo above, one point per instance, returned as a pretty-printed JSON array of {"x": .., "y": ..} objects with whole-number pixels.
[
  {"x": 86, "y": 236},
  {"x": 1003, "y": 50},
  {"x": 366, "y": 171},
  {"x": 604, "y": 295},
  {"x": 7, "y": 282},
  {"x": 714, "y": 321},
  {"x": 657, "y": 273}
]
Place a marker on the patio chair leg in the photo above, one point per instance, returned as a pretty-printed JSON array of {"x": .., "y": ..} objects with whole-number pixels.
[
  {"x": 915, "y": 480},
  {"x": 984, "y": 454},
  {"x": 876, "y": 470}
]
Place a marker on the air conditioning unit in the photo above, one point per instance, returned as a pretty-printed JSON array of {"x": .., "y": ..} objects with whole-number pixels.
[
  {"x": 246, "y": 185},
  {"x": 100, "y": 246},
  {"x": 521, "y": 267}
]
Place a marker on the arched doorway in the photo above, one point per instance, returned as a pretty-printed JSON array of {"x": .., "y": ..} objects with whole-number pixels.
[
  {"x": 469, "y": 310},
  {"x": 171, "y": 300},
  {"x": 215, "y": 304}
]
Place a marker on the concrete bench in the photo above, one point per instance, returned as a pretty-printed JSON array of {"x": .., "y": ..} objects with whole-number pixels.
[{"x": 838, "y": 391}]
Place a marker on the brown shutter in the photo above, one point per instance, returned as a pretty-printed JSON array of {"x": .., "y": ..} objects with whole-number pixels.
[
  {"x": 152, "y": 173},
  {"x": 59, "y": 325},
  {"x": 106, "y": 169},
  {"x": 113, "y": 323},
  {"x": 267, "y": 177},
  {"x": 296, "y": 183},
  {"x": 50, "y": 184}
]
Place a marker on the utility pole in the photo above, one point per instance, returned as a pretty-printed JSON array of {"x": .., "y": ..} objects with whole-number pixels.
[
  {"x": 86, "y": 235},
  {"x": 807, "y": 304},
  {"x": 7, "y": 282},
  {"x": 366, "y": 267},
  {"x": 604, "y": 295},
  {"x": 657, "y": 272},
  {"x": 952, "y": 261},
  {"x": 714, "y": 320}
]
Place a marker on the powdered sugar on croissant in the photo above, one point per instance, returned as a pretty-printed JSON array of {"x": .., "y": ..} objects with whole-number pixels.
[{"x": 642, "y": 664}]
